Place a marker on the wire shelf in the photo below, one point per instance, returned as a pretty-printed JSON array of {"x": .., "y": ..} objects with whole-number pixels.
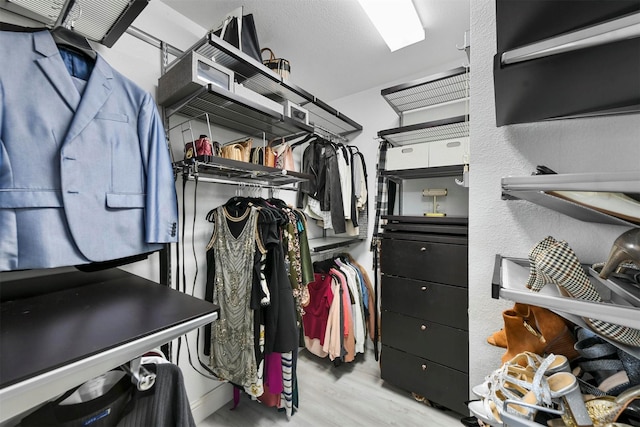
[
  {"x": 444, "y": 87},
  {"x": 438, "y": 130}
]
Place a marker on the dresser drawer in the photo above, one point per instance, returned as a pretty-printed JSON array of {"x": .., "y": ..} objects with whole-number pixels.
[
  {"x": 439, "y": 343},
  {"x": 433, "y": 262},
  {"x": 442, "y": 385},
  {"x": 431, "y": 301}
]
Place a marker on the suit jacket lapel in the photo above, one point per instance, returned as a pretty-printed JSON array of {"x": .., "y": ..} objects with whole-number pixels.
[
  {"x": 95, "y": 94},
  {"x": 55, "y": 70}
]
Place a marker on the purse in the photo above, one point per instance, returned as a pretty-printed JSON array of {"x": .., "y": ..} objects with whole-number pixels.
[
  {"x": 231, "y": 33},
  {"x": 240, "y": 151},
  {"x": 204, "y": 147},
  {"x": 284, "y": 157},
  {"x": 246, "y": 149},
  {"x": 279, "y": 65},
  {"x": 263, "y": 156},
  {"x": 257, "y": 155},
  {"x": 233, "y": 152}
]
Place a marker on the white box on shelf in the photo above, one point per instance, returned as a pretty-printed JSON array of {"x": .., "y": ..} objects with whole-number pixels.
[
  {"x": 449, "y": 152},
  {"x": 190, "y": 74},
  {"x": 296, "y": 112},
  {"x": 257, "y": 98},
  {"x": 408, "y": 157}
]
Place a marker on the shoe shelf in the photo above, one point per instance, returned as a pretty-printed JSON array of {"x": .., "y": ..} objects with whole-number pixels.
[
  {"x": 539, "y": 189},
  {"x": 258, "y": 78},
  {"x": 511, "y": 274},
  {"x": 84, "y": 325},
  {"x": 221, "y": 170}
]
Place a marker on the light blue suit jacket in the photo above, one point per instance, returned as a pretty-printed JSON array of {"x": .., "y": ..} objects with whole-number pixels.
[{"x": 82, "y": 177}]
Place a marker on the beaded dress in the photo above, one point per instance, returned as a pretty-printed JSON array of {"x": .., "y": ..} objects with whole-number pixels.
[{"x": 232, "y": 336}]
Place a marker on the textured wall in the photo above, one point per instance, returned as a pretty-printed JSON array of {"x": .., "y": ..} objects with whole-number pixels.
[{"x": 512, "y": 228}]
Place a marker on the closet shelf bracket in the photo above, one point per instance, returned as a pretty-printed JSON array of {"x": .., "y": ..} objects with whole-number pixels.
[{"x": 140, "y": 376}]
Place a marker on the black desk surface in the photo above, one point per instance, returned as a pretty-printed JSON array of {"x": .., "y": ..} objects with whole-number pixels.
[{"x": 96, "y": 312}]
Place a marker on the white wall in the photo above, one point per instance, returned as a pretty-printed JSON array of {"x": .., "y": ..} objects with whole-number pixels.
[
  {"x": 496, "y": 226},
  {"x": 370, "y": 109},
  {"x": 511, "y": 228}
]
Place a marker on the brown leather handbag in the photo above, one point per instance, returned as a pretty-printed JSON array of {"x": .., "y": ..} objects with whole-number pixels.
[
  {"x": 233, "y": 152},
  {"x": 240, "y": 151}
]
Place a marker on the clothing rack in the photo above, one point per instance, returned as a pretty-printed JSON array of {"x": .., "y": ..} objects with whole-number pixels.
[
  {"x": 320, "y": 131},
  {"x": 241, "y": 184}
]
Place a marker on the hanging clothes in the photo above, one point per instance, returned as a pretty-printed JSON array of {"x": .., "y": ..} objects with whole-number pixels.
[
  {"x": 341, "y": 311},
  {"x": 317, "y": 313},
  {"x": 261, "y": 244},
  {"x": 320, "y": 159},
  {"x": 165, "y": 404},
  {"x": 232, "y": 339},
  {"x": 86, "y": 174}
]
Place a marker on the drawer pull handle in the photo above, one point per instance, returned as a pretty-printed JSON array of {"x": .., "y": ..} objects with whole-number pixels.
[
  {"x": 424, "y": 288},
  {"x": 422, "y": 249},
  {"x": 424, "y": 367},
  {"x": 423, "y": 327}
]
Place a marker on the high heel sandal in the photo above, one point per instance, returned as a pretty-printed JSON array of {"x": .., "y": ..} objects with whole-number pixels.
[
  {"x": 539, "y": 248},
  {"x": 521, "y": 370},
  {"x": 607, "y": 409},
  {"x": 559, "y": 265},
  {"x": 626, "y": 248},
  {"x": 560, "y": 387}
]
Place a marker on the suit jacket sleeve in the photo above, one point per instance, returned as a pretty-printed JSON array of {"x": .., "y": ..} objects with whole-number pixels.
[{"x": 161, "y": 213}]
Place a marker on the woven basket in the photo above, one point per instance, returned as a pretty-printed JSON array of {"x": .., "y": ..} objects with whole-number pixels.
[{"x": 279, "y": 65}]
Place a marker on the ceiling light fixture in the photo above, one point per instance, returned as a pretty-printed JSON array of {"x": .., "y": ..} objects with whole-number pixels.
[{"x": 396, "y": 20}]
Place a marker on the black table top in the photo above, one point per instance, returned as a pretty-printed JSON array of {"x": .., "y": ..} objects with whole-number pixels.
[{"x": 96, "y": 312}]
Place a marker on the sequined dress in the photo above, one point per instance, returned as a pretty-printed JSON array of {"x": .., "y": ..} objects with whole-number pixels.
[{"x": 232, "y": 336}]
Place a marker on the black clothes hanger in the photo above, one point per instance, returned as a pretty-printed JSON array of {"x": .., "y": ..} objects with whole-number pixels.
[
  {"x": 307, "y": 138},
  {"x": 323, "y": 266},
  {"x": 73, "y": 41}
]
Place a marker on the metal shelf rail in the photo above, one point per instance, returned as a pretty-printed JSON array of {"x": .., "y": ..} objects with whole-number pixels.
[
  {"x": 239, "y": 172},
  {"x": 443, "y": 88},
  {"x": 437, "y": 130},
  {"x": 255, "y": 76},
  {"x": 539, "y": 189},
  {"x": 448, "y": 86},
  {"x": 510, "y": 275}
]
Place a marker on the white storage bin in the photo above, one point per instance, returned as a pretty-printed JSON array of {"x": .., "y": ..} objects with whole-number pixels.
[
  {"x": 448, "y": 152},
  {"x": 408, "y": 157}
]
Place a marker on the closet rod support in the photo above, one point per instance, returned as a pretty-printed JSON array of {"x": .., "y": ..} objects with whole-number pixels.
[
  {"x": 153, "y": 41},
  {"x": 140, "y": 376}
]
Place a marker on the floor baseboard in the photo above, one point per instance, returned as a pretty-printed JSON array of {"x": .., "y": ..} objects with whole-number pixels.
[{"x": 211, "y": 402}]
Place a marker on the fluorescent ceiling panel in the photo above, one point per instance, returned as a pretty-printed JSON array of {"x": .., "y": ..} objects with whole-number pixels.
[{"x": 396, "y": 20}]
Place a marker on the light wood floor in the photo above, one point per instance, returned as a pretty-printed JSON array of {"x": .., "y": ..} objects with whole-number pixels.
[{"x": 348, "y": 395}]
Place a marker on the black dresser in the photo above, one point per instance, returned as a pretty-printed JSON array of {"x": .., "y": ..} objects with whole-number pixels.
[{"x": 424, "y": 319}]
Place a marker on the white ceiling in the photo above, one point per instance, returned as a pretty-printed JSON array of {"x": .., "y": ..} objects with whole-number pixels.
[{"x": 333, "y": 48}]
